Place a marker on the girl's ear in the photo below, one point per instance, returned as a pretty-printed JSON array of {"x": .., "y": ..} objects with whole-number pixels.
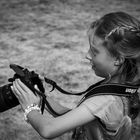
[{"x": 119, "y": 61}]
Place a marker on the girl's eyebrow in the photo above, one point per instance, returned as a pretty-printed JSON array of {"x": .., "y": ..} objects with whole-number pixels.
[{"x": 93, "y": 48}]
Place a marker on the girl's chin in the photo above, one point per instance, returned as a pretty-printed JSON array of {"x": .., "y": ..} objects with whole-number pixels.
[
  {"x": 97, "y": 73},
  {"x": 94, "y": 68}
]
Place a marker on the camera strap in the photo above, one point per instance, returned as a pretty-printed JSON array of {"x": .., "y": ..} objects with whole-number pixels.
[
  {"x": 97, "y": 89},
  {"x": 55, "y": 86},
  {"x": 112, "y": 89}
]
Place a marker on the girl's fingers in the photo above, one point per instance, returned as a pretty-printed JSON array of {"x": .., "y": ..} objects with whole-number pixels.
[
  {"x": 23, "y": 86},
  {"x": 16, "y": 92},
  {"x": 24, "y": 90},
  {"x": 20, "y": 90}
]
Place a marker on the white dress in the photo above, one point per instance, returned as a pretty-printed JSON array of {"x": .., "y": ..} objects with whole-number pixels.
[{"x": 112, "y": 123}]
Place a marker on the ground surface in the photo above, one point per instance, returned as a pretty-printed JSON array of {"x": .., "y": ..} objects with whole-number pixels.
[{"x": 49, "y": 38}]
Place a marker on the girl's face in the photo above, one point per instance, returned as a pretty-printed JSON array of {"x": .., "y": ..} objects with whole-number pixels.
[{"x": 101, "y": 60}]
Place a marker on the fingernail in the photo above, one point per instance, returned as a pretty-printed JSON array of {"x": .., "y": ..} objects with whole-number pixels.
[{"x": 11, "y": 87}]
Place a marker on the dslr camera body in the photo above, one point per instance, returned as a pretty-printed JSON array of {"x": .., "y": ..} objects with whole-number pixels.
[{"x": 7, "y": 98}]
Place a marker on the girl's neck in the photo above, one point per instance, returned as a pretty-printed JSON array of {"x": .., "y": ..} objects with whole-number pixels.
[
  {"x": 118, "y": 80},
  {"x": 136, "y": 80},
  {"x": 113, "y": 79}
]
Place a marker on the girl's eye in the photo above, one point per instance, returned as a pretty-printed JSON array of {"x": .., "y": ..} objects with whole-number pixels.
[{"x": 93, "y": 52}]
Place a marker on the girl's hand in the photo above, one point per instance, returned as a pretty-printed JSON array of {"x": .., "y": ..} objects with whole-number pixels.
[{"x": 25, "y": 96}]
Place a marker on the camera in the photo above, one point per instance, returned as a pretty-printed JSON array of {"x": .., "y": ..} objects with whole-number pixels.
[{"x": 7, "y": 98}]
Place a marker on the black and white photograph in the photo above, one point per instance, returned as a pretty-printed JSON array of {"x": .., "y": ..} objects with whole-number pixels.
[{"x": 69, "y": 69}]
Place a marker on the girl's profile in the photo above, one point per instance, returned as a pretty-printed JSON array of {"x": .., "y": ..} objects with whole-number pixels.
[{"x": 114, "y": 54}]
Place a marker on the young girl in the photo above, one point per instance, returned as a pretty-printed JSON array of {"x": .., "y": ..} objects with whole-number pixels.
[{"x": 114, "y": 54}]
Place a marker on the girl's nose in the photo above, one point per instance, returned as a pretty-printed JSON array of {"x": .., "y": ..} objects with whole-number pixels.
[{"x": 88, "y": 56}]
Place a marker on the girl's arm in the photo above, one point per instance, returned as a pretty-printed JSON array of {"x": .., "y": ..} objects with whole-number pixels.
[
  {"x": 50, "y": 127},
  {"x": 53, "y": 127},
  {"x": 58, "y": 108}
]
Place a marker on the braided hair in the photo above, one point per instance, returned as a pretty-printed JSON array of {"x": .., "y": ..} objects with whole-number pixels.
[{"x": 120, "y": 33}]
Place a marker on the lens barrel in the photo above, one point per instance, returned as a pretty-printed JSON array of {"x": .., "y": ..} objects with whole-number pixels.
[{"x": 7, "y": 99}]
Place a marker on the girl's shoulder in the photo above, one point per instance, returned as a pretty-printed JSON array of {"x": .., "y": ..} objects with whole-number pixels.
[
  {"x": 105, "y": 106},
  {"x": 102, "y": 99}
]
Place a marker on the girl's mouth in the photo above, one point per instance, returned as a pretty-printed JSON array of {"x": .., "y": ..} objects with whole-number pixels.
[{"x": 93, "y": 66}]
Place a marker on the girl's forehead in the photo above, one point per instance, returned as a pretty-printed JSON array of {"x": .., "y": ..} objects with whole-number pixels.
[
  {"x": 97, "y": 43},
  {"x": 94, "y": 39}
]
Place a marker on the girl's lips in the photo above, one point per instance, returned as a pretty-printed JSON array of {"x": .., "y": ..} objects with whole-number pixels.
[{"x": 93, "y": 66}]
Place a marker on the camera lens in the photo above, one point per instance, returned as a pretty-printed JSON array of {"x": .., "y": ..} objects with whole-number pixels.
[{"x": 7, "y": 98}]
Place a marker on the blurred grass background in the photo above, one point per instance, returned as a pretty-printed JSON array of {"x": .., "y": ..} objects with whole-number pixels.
[{"x": 50, "y": 37}]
